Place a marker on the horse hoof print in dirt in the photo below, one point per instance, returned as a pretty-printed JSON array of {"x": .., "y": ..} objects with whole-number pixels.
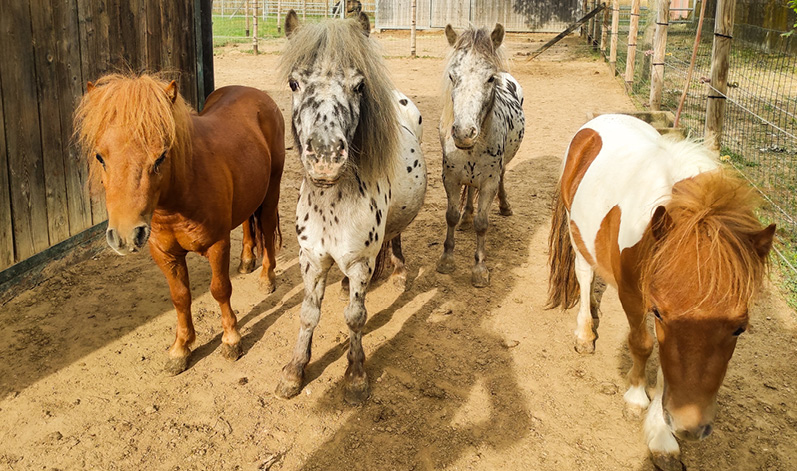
[
  {"x": 364, "y": 177},
  {"x": 164, "y": 168},
  {"x": 676, "y": 234},
  {"x": 481, "y": 130}
]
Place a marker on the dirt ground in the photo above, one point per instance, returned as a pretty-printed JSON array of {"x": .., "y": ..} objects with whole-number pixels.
[{"x": 461, "y": 378}]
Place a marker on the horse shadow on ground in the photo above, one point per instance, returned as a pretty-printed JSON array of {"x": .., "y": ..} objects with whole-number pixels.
[{"x": 443, "y": 388}]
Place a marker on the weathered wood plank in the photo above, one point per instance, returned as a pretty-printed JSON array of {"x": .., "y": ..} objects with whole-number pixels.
[
  {"x": 70, "y": 85},
  {"x": 23, "y": 137},
  {"x": 207, "y": 48},
  {"x": 6, "y": 225},
  {"x": 47, "y": 86},
  {"x": 154, "y": 41}
]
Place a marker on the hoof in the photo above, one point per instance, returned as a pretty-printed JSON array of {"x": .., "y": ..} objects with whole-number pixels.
[
  {"x": 267, "y": 285},
  {"x": 231, "y": 352},
  {"x": 247, "y": 266},
  {"x": 667, "y": 462},
  {"x": 446, "y": 264},
  {"x": 176, "y": 365},
  {"x": 287, "y": 389},
  {"x": 356, "y": 391},
  {"x": 480, "y": 277},
  {"x": 584, "y": 348},
  {"x": 399, "y": 281},
  {"x": 505, "y": 211}
]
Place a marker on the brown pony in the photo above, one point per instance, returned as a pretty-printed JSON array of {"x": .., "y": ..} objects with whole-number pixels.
[
  {"x": 183, "y": 181},
  {"x": 677, "y": 235}
]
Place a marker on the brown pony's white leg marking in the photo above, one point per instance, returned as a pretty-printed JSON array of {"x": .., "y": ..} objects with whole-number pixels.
[
  {"x": 663, "y": 446},
  {"x": 585, "y": 331}
]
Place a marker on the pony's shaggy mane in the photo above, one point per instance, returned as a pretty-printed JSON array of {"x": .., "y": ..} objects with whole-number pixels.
[
  {"x": 334, "y": 45},
  {"x": 139, "y": 105},
  {"x": 710, "y": 235},
  {"x": 479, "y": 42}
]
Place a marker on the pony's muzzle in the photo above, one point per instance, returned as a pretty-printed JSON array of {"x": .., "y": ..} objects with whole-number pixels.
[
  {"x": 695, "y": 433},
  {"x": 464, "y": 136},
  {"x": 125, "y": 245},
  {"x": 325, "y": 160}
]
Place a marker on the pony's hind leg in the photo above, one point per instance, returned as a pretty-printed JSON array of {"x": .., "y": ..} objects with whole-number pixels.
[
  {"x": 269, "y": 222},
  {"x": 248, "y": 258},
  {"x": 356, "y": 381},
  {"x": 314, "y": 274},
  {"x": 480, "y": 275},
  {"x": 587, "y": 309},
  {"x": 221, "y": 289},
  {"x": 399, "y": 276},
  {"x": 176, "y": 272},
  {"x": 503, "y": 204},
  {"x": 446, "y": 263},
  {"x": 466, "y": 220}
]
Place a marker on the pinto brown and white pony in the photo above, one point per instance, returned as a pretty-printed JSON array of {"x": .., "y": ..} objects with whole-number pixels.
[
  {"x": 183, "y": 181},
  {"x": 675, "y": 233}
]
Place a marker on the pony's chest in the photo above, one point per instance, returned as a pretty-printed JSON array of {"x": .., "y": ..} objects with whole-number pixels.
[{"x": 475, "y": 166}]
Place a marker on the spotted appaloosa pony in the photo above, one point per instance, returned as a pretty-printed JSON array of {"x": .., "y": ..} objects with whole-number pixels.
[
  {"x": 480, "y": 130},
  {"x": 183, "y": 181},
  {"x": 676, "y": 234},
  {"x": 365, "y": 176}
]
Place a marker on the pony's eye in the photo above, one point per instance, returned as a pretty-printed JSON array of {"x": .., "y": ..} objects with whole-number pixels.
[
  {"x": 739, "y": 331},
  {"x": 158, "y": 162},
  {"x": 490, "y": 80},
  {"x": 99, "y": 159},
  {"x": 359, "y": 87},
  {"x": 657, "y": 313},
  {"x": 294, "y": 84}
]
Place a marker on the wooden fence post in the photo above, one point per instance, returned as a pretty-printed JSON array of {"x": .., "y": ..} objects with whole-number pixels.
[
  {"x": 718, "y": 86},
  {"x": 304, "y": 11},
  {"x": 604, "y": 31},
  {"x": 412, "y": 28},
  {"x": 630, "y": 60},
  {"x": 591, "y": 24},
  {"x": 254, "y": 26},
  {"x": 326, "y": 8},
  {"x": 246, "y": 15},
  {"x": 615, "y": 28},
  {"x": 585, "y": 8},
  {"x": 279, "y": 16},
  {"x": 659, "y": 50}
]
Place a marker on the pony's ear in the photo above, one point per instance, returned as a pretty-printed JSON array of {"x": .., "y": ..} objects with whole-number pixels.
[
  {"x": 497, "y": 35},
  {"x": 661, "y": 223},
  {"x": 171, "y": 91},
  {"x": 365, "y": 23},
  {"x": 451, "y": 35},
  {"x": 89, "y": 87},
  {"x": 762, "y": 241},
  {"x": 291, "y": 23}
]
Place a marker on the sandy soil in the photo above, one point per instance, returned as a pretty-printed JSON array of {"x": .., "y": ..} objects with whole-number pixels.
[{"x": 461, "y": 378}]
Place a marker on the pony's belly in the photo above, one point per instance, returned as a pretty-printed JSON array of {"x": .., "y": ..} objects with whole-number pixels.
[{"x": 409, "y": 188}]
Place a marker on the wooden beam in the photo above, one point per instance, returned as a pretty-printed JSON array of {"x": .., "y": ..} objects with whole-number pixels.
[
  {"x": 718, "y": 86},
  {"x": 613, "y": 43},
  {"x": 633, "y": 30},
  {"x": 659, "y": 52},
  {"x": 6, "y": 222},
  {"x": 567, "y": 31}
]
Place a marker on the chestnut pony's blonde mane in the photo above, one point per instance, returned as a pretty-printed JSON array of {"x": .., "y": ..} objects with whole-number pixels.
[
  {"x": 480, "y": 42},
  {"x": 139, "y": 105},
  {"x": 711, "y": 236}
]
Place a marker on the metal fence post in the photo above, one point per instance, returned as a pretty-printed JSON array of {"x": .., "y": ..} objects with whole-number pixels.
[
  {"x": 715, "y": 108},
  {"x": 659, "y": 49}
]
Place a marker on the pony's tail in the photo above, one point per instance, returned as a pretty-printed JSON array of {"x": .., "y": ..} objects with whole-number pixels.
[
  {"x": 256, "y": 228},
  {"x": 381, "y": 260},
  {"x": 563, "y": 289}
]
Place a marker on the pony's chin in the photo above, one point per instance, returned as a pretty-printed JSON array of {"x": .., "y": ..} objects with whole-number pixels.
[{"x": 464, "y": 146}]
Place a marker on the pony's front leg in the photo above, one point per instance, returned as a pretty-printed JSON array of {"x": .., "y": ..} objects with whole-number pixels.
[
  {"x": 314, "y": 274},
  {"x": 480, "y": 275},
  {"x": 663, "y": 446},
  {"x": 587, "y": 310},
  {"x": 174, "y": 268},
  {"x": 356, "y": 381},
  {"x": 221, "y": 289},
  {"x": 640, "y": 345},
  {"x": 446, "y": 263}
]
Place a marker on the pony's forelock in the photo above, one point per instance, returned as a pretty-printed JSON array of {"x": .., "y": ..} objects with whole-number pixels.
[
  {"x": 710, "y": 237},
  {"x": 339, "y": 44},
  {"x": 139, "y": 105}
]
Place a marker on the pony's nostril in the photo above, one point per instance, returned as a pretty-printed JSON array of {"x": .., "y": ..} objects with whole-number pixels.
[
  {"x": 140, "y": 235},
  {"x": 341, "y": 145},
  {"x": 471, "y": 133},
  {"x": 112, "y": 238},
  {"x": 309, "y": 145},
  {"x": 706, "y": 431}
]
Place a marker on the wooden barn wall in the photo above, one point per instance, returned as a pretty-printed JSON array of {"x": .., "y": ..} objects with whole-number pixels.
[
  {"x": 515, "y": 15},
  {"x": 51, "y": 48}
]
